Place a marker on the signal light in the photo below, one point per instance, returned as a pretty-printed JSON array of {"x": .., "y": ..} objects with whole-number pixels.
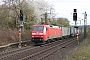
[
  {"x": 75, "y": 10},
  {"x": 21, "y": 15},
  {"x": 75, "y": 16}
]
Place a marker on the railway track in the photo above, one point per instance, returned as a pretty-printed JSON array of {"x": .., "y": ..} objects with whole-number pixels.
[
  {"x": 4, "y": 55},
  {"x": 47, "y": 51},
  {"x": 37, "y": 52}
]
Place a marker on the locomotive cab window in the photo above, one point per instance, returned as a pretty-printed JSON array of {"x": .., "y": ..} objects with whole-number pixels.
[{"x": 38, "y": 28}]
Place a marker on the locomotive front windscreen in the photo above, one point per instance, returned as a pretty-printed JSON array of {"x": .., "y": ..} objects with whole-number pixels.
[{"x": 38, "y": 28}]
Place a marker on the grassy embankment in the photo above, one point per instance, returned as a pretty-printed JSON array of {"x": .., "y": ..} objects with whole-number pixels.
[{"x": 83, "y": 50}]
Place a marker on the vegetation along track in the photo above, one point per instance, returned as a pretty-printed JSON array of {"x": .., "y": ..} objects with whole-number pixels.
[{"x": 35, "y": 52}]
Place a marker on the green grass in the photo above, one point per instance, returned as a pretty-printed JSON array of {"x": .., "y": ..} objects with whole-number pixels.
[{"x": 82, "y": 52}]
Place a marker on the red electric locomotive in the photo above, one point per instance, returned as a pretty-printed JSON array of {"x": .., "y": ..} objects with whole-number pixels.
[{"x": 44, "y": 33}]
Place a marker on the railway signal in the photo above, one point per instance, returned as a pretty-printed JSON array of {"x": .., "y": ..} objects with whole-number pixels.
[
  {"x": 21, "y": 15},
  {"x": 75, "y": 16},
  {"x": 77, "y": 37},
  {"x": 19, "y": 36},
  {"x": 21, "y": 25}
]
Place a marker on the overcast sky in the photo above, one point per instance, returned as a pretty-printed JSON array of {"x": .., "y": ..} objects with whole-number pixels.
[{"x": 64, "y": 8}]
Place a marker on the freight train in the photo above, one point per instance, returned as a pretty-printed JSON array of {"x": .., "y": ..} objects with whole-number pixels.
[{"x": 46, "y": 33}]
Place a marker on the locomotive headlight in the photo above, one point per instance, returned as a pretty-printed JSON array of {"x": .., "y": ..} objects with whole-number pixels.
[
  {"x": 41, "y": 36},
  {"x": 32, "y": 36}
]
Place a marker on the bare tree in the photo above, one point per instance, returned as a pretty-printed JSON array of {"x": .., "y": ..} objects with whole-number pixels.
[{"x": 9, "y": 11}]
